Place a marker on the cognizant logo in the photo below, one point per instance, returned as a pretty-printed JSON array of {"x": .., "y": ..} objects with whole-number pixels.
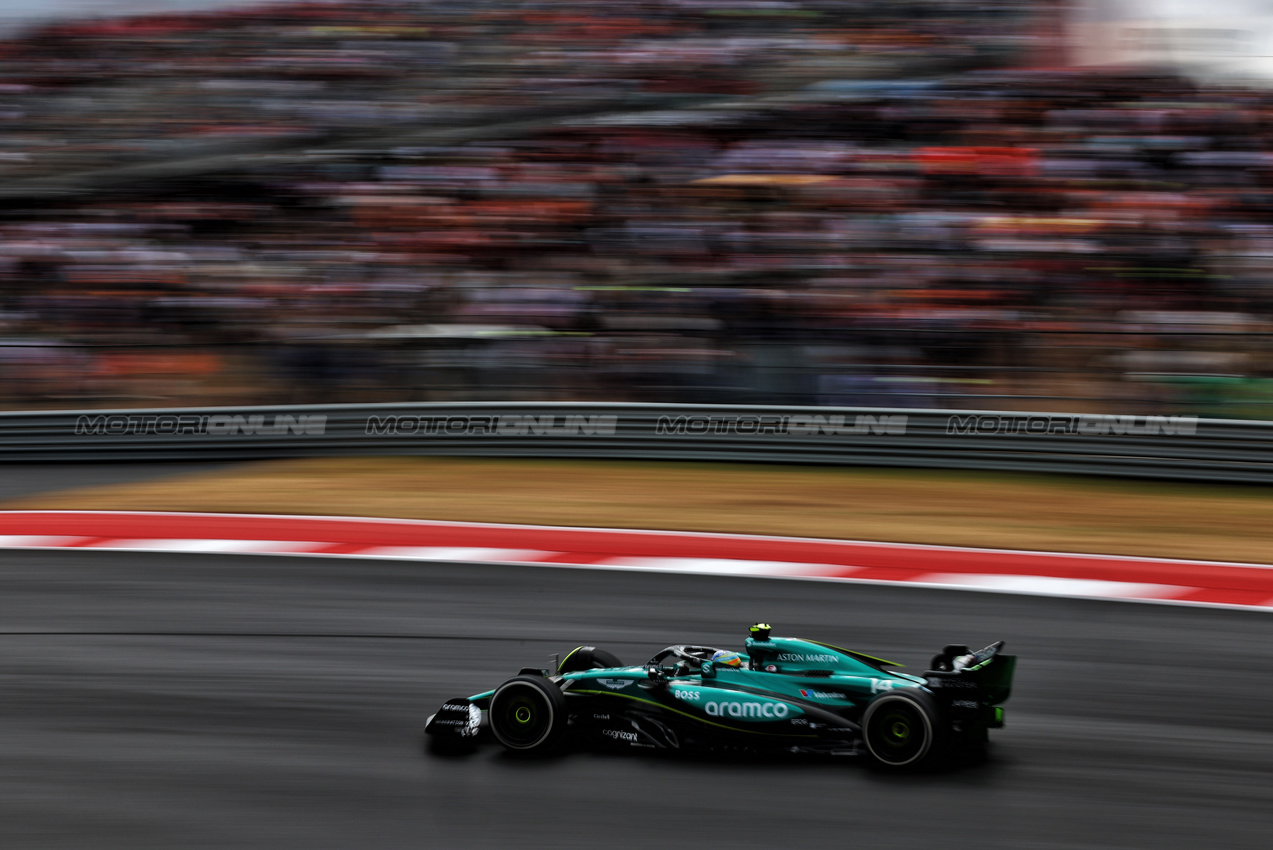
[{"x": 747, "y": 709}]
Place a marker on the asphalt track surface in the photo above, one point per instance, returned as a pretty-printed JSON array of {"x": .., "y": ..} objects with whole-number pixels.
[{"x": 159, "y": 700}]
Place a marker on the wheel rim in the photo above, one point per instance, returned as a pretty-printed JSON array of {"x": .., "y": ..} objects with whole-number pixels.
[
  {"x": 521, "y": 716},
  {"x": 898, "y": 732}
]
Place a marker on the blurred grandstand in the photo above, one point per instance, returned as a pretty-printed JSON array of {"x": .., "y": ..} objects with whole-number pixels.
[{"x": 814, "y": 202}]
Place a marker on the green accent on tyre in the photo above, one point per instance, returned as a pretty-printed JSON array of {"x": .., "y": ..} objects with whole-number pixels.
[
  {"x": 523, "y": 715},
  {"x": 562, "y": 665}
]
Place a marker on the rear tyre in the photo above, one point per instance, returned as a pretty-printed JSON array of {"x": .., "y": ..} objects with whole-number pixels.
[
  {"x": 587, "y": 658},
  {"x": 527, "y": 714},
  {"x": 902, "y": 728}
]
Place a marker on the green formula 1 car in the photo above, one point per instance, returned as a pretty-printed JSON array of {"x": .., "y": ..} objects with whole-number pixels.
[{"x": 782, "y": 694}]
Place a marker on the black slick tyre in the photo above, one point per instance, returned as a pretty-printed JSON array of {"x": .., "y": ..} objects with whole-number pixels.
[
  {"x": 902, "y": 728},
  {"x": 527, "y": 714},
  {"x": 587, "y": 658}
]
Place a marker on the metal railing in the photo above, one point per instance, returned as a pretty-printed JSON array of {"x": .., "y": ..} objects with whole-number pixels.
[
  {"x": 1202, "y": 373},
  {"x": 1180, "y": 447}
]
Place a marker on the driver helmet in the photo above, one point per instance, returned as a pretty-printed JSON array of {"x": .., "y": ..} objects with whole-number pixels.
[{"x": 725, "y": 658}]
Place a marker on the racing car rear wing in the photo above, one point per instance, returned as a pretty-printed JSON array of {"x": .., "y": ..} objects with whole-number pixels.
[{"x": 987, "y": 670}]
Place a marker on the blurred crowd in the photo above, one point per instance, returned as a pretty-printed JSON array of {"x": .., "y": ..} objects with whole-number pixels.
[
  {"x": 809, "y": 225},
  {"x": 107, "y": 92}
]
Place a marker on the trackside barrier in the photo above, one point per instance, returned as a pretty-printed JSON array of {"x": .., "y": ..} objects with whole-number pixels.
[{"x": 1182, "y": 447}]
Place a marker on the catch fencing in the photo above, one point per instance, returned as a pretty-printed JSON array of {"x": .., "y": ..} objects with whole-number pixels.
[{"x": 1179, "y": 447}]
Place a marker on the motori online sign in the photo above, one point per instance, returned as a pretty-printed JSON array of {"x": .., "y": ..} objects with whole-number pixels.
[
  {"x": 212, "y": 425},
  {"x": 503, "y": 425},
  {"x": 797, "y": 425},
  {"x": 1087, "y": 425}
]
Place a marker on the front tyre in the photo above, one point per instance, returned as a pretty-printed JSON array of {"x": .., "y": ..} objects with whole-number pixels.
[
  {"x": 901, "y": 728},
  {"x": 527, "y": 714}
]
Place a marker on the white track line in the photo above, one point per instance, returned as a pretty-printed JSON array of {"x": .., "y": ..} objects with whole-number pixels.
[
  {"x": 1054, "y": 586},
  {"x": 456, "y": 553},
  {"x": 39, "y": 541},
  {"x": 727, "y": 566},
  {"x": 207, "y": 545}
]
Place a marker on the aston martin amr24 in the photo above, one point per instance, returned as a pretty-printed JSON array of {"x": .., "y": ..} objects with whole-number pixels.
[{"x": 781, "y": 694}]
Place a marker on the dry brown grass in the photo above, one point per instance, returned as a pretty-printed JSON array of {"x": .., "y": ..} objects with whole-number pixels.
[{"x": 972, "y": 509}]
